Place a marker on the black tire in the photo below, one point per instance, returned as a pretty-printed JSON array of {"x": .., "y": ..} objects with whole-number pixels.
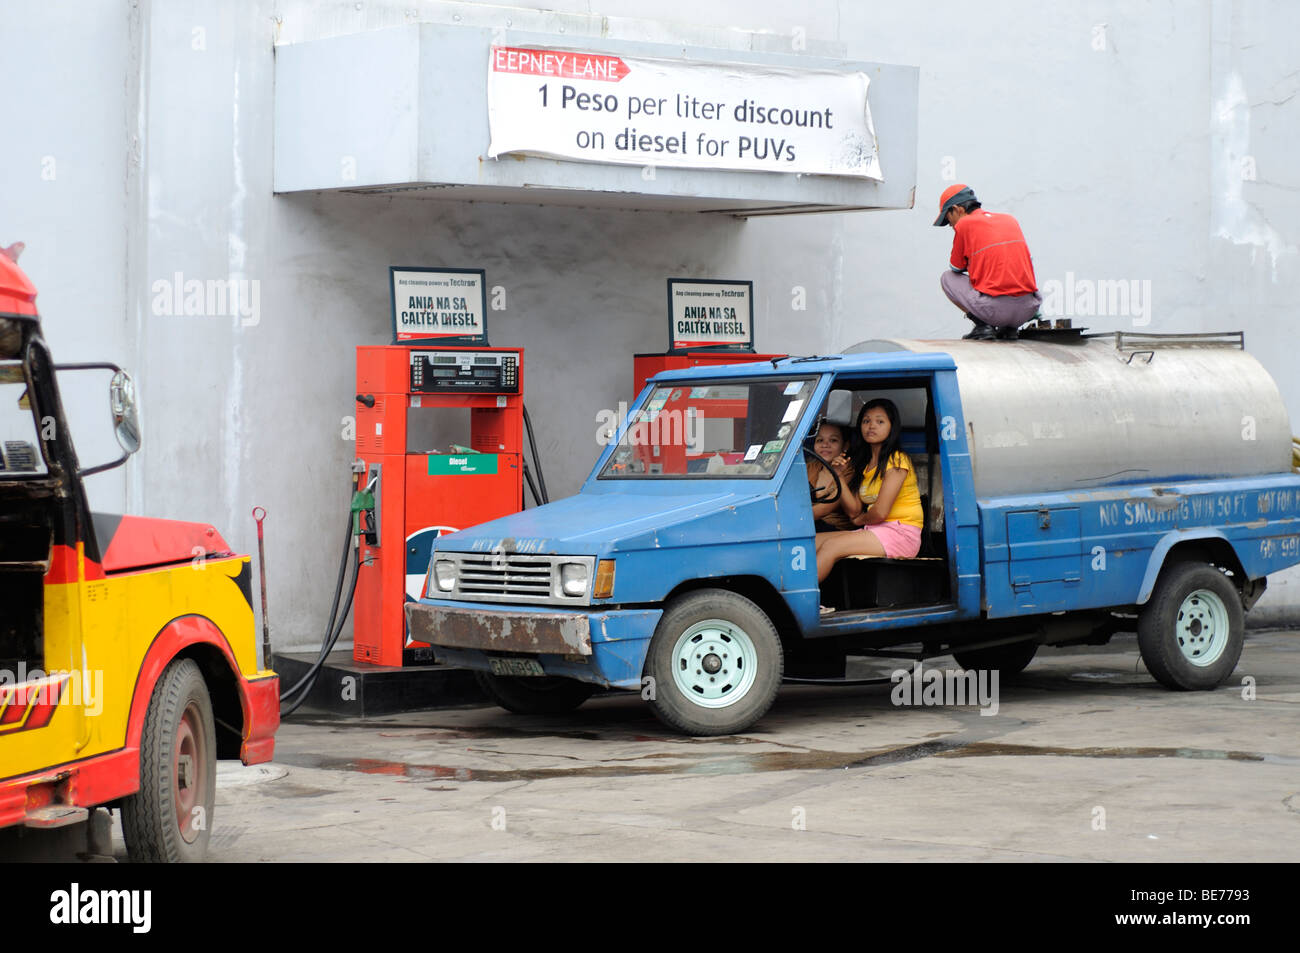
[
  {"x": 721, "y": 619},
  {"x": 1009, "y": 660},
  {"x": 1190, "y": 632},
  {"x": 539, "y": 695},
  {"x": 162, "y": 822}
]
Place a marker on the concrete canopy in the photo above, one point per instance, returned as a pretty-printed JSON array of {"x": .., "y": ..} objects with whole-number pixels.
[{"x": 405, "y": 110}]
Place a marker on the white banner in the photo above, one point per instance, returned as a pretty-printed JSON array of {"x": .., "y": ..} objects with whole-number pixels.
[{"x": 597, "y": 107}]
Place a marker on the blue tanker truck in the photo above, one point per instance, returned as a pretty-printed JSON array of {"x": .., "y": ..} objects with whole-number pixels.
[{"x": 1072, "y": 488}]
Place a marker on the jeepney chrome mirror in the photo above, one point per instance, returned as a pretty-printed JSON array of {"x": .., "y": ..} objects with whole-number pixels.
[{"x": 126, "y": 421}]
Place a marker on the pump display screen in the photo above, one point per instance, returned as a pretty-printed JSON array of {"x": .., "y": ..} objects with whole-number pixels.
[
  {"x": 484, "y": 372},
  {"x": 701, "y": 430}
]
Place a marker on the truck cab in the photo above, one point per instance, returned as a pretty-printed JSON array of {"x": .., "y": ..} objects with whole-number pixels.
[
  {"x": 128, "y": 662},
  {"x": 1070, "y": 491}
]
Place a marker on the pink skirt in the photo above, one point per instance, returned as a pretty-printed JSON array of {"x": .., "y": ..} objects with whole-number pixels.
[{"x": 900, "y": 540}]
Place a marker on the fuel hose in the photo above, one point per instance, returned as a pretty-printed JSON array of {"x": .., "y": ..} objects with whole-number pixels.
[
  {"x": 537, "y": 463},
  {"x": 333, "y": 628}
]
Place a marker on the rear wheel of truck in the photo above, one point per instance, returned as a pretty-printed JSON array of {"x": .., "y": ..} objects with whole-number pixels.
[
  {"x": 1007, "y": 659},
  {"x": 1190, "y": 633},
  {"x": 170, "y": 819},
  {"x": 536, "y": 695},
  {"x": 715, "y": 664}
]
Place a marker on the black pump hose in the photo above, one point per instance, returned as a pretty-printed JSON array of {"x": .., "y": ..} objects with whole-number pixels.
[
  {"x": 528, "y": 478},
  {"x": 537, "y": 463},
  {"x": 332, "y": 627}
]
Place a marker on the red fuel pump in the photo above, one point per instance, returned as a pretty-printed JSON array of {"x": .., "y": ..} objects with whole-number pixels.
[
  {"x": 665, "y": 444},
  {"x": 645, "y": 366},
  {"x": 440, "y": 447}
]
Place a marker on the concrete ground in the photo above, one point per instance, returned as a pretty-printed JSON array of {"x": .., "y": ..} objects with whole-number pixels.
[{"x": 1086, "y": 758}]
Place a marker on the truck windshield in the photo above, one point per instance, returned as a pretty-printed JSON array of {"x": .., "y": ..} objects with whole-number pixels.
[
  {"x": 712, "y": 429},
  {"x": 18, "y": 436}
]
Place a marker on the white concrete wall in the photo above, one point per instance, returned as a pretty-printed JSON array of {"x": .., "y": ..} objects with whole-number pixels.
[{"x": 1115, "y": 133}]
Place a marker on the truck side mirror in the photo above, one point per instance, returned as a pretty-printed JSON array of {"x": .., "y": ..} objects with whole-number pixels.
[
  {"x": 126, "y": 420},
  {"x": 122, "y": 406},
  {"x": 839, "y": 408}
]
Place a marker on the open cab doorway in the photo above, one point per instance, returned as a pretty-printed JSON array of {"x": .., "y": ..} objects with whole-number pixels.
[{"x": 877, "y": 590}]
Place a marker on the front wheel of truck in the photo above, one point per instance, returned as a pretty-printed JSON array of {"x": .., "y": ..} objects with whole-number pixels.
[
  {"x": 1190, "y": 633},
  {"x": 169, "y": 819},
  {"x": 534, "y": 695},
  {"x": 714, "y": 664}
]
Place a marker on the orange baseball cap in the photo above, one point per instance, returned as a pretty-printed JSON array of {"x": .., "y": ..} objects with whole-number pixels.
[{"x": 953, "y": 195}]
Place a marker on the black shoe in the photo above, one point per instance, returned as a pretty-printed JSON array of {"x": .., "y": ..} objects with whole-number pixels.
[
  {"x": 1007, "y": 334},
  {"x": 981, "y": 332}
]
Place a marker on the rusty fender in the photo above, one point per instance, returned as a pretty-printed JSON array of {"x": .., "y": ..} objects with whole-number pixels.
[{"x": 494, "y": 630}]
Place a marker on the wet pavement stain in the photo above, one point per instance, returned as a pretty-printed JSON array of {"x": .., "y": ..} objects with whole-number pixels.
[
  {"x": 750, "y": 763},
  {"x": 495, "y": 732},
  {"x": 985, "y": 750}
]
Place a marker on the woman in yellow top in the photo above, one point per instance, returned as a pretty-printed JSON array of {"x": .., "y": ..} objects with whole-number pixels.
[{"x": 882, "y": 495}]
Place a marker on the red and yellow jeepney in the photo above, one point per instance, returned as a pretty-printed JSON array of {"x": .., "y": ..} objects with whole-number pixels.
[{"x": 128, "y": 661}]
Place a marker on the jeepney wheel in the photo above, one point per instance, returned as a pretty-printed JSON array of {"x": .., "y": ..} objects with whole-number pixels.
[
  {"x": 1007, "y": 659},
  {"x": 714, "y": 664},
  {"x": 1190, "y": 633},
  {"x": 534, "y": 695},
  {"x": 170, "y": 819}
]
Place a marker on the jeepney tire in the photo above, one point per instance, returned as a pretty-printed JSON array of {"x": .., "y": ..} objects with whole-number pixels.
[
  {"x": 162, "y": 822},
  {"x": 1190, "y": 632},
  {"x": 543, "y": 695},
  {"x": 694, "y": 702},
  {"x": 1009, "y": 660}
]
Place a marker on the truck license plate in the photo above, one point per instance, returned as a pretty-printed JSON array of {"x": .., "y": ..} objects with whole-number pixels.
[{"x": 515, "y": 666}]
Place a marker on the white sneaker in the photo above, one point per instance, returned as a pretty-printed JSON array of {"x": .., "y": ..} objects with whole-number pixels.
[{"x": 826, "y": 610}]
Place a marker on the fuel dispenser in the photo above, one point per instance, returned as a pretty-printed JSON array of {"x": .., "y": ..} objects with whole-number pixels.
[{"x": 440, "y": 447}]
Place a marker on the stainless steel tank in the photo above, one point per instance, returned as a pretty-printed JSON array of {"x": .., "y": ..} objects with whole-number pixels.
[{"x": 1052, "y": 416}]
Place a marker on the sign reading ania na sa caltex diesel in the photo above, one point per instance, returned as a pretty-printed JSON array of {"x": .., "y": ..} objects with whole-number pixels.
[
  {"x": 710, "y": 313},
  {"x": 439, "y": 305},
  {"x": 623, "y": 109}
]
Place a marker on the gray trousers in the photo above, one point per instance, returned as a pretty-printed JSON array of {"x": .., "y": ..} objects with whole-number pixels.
[{"x": 1000, "y": 311}]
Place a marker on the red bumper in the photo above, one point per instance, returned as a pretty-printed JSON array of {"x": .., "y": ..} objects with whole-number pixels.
[
  {"x": 261, "y": 719},
  {"x": 49, "y": 798}
]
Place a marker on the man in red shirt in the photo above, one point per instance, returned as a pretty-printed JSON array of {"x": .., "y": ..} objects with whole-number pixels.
[{"x": 992, "y": 276}]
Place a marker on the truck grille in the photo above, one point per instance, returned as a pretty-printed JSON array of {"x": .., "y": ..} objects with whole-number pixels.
[{"x": 514, "y": 578}]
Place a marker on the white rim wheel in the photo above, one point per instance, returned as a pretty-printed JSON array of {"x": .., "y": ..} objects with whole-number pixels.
[
  {"x": 714, "y": 663},
  {"x": 1202, "y": 627}
]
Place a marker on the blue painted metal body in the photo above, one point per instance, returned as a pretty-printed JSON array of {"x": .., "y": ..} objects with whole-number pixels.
[{"x": 1007, "y": 556}]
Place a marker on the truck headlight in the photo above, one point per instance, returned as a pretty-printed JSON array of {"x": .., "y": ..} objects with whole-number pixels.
[
  {"x": 574, "y": 578},
  {"x": 444, "y": 574}
]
